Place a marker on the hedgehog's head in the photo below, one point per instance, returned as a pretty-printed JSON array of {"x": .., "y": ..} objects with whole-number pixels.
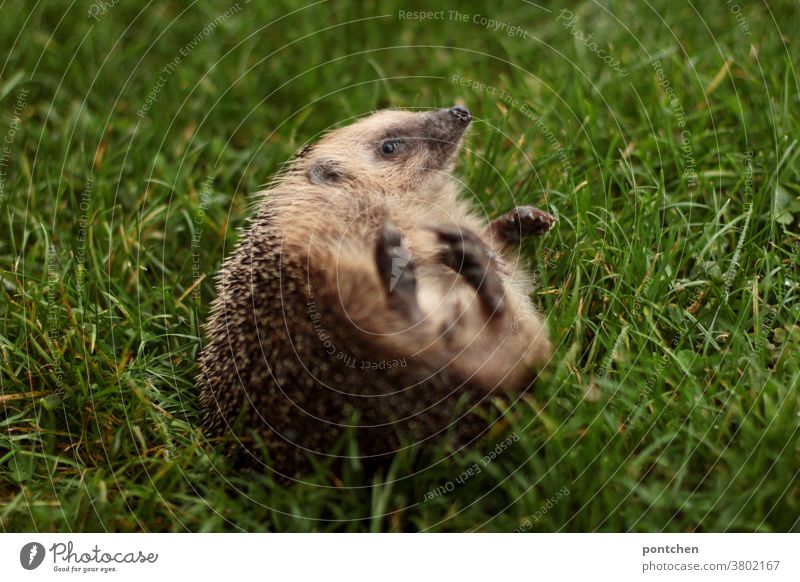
[{"x": 392, "y": 149}]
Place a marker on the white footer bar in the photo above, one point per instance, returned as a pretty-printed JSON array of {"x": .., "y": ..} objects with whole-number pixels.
[{"x": 401, "y": 557}]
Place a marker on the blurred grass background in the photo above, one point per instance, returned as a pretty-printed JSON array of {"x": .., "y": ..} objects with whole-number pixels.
[{"x": 670, "y": 282}]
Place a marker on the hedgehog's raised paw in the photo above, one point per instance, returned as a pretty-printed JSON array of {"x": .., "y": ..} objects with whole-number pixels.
[
  {"x": 397, "y": 270},
  {"x": 467, "y": 254},
  {"x": 520, "y": 222}
]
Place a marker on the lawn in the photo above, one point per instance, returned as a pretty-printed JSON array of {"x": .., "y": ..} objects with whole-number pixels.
[{"x": 664, "y": 136}]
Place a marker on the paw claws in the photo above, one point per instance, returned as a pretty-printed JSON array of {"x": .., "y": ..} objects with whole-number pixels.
[{"x": 523, "y": 221}]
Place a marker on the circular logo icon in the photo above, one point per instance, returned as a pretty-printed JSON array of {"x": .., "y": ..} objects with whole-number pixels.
[{"x": 31, "y": 555}]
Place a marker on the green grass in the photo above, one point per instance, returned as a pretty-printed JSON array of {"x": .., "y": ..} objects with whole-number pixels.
[{"x": 672, "y": 400}]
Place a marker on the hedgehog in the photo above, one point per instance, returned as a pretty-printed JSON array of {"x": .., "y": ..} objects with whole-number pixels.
[{"x": 367, "y": 297}]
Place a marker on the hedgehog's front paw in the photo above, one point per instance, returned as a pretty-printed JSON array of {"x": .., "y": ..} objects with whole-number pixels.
[
  {"x": 520, "y": 222},
  {"x": 397, "y": 270},
  {"x": 467, "y": 254}
]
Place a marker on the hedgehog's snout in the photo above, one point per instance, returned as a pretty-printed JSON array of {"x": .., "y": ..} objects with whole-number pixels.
[
  {"x": 445, "y": 128},
  {"x": 461, "y": 114},
  {"x": 451, "y": 122}
]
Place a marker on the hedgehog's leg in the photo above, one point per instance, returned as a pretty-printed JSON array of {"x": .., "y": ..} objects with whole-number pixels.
[
  {"x": 397, "y": 270},
  {"x": 518, "y": 223},
  {"x": 505, "y": 353},
  {"x": 468, "y": 255}
]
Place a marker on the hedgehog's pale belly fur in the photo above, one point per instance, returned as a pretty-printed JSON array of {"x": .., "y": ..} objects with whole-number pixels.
[{"x": 301, "y": 307}]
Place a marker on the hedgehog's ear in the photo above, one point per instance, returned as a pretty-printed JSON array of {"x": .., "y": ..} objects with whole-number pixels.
[{"x": 325, "y": 171}]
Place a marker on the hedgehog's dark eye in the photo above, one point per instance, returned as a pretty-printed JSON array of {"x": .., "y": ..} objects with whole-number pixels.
[{"x": 390, "y": 147}]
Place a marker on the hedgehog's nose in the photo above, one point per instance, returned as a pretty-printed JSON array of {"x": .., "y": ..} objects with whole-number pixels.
[{"x": 461, "y": 113}]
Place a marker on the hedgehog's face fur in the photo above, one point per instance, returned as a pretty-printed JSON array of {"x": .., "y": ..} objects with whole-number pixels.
[{"x": 390, "y": 150}]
